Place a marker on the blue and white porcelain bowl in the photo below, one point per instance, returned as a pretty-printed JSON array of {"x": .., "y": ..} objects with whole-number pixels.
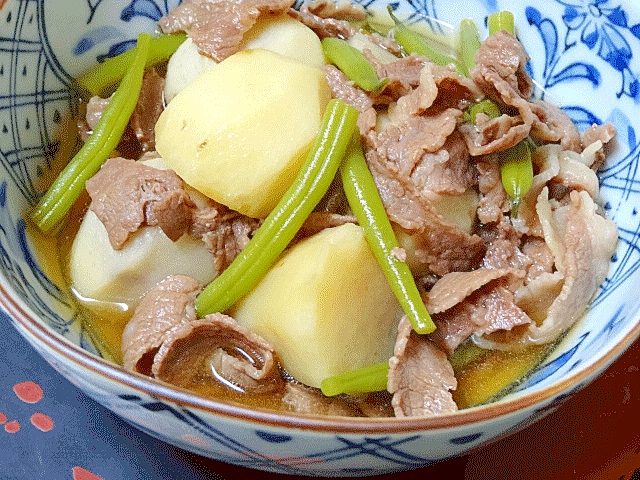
[{"x": 586, "y": 56}]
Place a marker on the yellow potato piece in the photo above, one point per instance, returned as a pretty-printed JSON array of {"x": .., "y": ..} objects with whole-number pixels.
[
  {"x": 281, "y": 34},
  {"x": 286, "y": 36},
  {"x": 326, "y": 306},
  {"x": 240, "y": 132},
  {"x": 100, "y": 273}
]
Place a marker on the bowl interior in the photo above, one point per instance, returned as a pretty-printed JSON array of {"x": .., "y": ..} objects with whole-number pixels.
[{"x": 585, "y": 57}]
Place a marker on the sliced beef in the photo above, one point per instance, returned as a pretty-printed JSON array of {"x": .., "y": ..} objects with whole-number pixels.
[
  {"x": 502, "y": 59},
  {"x": 540, "y": 255},
  {"x": 574, "y": 174},
  {"x": 455, "y": 287},
  {"x": 582, "y": 243},
  {"x": 318, "y": 221},
  {"x": 503, "y": 248},
  {"x": 475, "y": 302},
  {"x": 403, "y": 158},
  {"x": 598, "y": 136},
  {"x": 489, "y": 309},
  {"x": 500, "y": 72},
  {"x": 95, "y": 108},
  {"x": 401, "y": 147},
  {"x": 493, "y": 197},
  {"x": 554, "y": 126},
  {"x": 164, "y": 338},
  {"x": 588, "y": 242},
  {"x": 449, "y": 171},
  {"x": 168, "y": 304},
  {"x": 323, "y": 27},
  {"x": 536, "y": 296},
  {"x": 216, "y": 348},
  {"x": 302, "y": 399},
  {"x": 228, "y": 235},
  {"x": 439, "y": 89},
  {"x": 411, "y": 163},
  {"x": 420, "y": 376},
  {"x": 403, "y": 74},
  {"x": 344, "y": 89},
  {"x": 494, "y": 135},
  {"x": 340, "y": 10},
  {"x": 603, "y": 133},
  {"x": 440, "y": 248},
  {"x": 419, "y": 99},
  {"x": 560, "y": 171},
  {"x": 217, "y": 26},
  {"x": 148, "y": 109},
  {"x": 126, "y": 195}
]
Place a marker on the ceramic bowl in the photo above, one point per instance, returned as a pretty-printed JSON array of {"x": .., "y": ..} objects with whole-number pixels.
[{"x": 585, "y": 54}]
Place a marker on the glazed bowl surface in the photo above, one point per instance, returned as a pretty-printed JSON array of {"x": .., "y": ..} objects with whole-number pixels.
[{"x": 585, "y": 55}]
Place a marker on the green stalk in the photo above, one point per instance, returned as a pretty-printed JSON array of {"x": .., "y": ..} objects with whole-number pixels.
[
  {"x": 108, "y": 73},
  {"x": 353, "y": 64},
  {"x": 413, "y": 42},
  {"x": 65, "y": 190},
  {"x": 502, "y": 20},
  {"x": 364, "y": 199},
  {"x": 372, "y": 378},
  {"x": 516, "y": 167},
  {"x": 516, "y": 170},
  {"x": 486, "y": 106},
  {"x": 282, "y": 224},
  {"x": 468, "y": 44}
]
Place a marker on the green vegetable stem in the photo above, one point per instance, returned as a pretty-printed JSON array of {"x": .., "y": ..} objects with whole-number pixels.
[
  {"x": 486, "y": 106},
  {"x": 468, "y": 44},
  {"x": 364, "y": 199},
  {"x": 68, "y": 186},
  {"x": 353, "y": 64},
  {"x": 516, "y": 170},
  {"x": 108, "y": 73},
  {"x": 502, "y": 20},
  {"x": 372, "y": 378},
  {"x": 516, "y": 167},
  {"x": 281, "y": 225},
  {"x": 413, "y": 42}
]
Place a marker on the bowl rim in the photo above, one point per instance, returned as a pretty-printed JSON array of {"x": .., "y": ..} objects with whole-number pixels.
[{"x": 22, "y": 314}]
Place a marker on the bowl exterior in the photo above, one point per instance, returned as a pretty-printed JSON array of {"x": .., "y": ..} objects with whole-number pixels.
[
  {"x": 586, "y": 57},
  {"x": 296, "y": 448}
]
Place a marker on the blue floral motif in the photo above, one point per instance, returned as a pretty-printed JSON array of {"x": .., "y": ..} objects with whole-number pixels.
[
  {"x": 600, "y": 26},
  {"x": 152, "y": 10},
  {"x": 146, "y": 8},
  {"x": 93, "y": 6},
  {"x": 548, "y": 369}
]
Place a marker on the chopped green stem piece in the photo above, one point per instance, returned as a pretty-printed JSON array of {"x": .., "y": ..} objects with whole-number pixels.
[
  {"x": 413, "y": 42},
  {"x": 363, "y": 380},
  {"x": 364, "y": 199},
  {"x": 108, "y": 73},
  {"x": 353, "y": 64},
  {"x": 516, "y": 169},
  {"x": 468, "y": 44},
  {"x": 68, "y": 186},
  {"x": 502, "y": 20},
  {"x": 485, "y": 106},
  {"x": 282, "y": 224}
]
